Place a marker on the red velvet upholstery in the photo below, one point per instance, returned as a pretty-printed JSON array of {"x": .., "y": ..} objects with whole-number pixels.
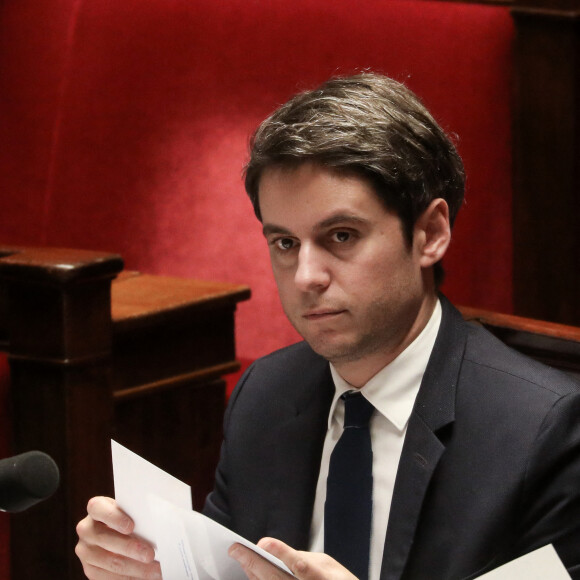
[{"x": 124, "y": 127}]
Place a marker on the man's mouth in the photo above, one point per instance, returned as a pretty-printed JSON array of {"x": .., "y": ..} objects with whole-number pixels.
[{"x": 322, "y": 313}]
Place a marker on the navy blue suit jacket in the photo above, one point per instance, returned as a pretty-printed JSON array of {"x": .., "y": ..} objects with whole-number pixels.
[{"x": 490, "y": 468}]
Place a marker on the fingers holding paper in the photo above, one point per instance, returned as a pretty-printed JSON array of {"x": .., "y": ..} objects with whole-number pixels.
[
  {"x": 108, "y": 550},
  {"x": 304, "y": 565}
]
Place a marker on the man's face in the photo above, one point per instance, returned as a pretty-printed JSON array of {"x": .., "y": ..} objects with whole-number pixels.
[{"x": 348, "y": 281}]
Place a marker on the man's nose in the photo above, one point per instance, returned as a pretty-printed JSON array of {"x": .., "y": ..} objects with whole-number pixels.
[{"x": 312, "y": 273}]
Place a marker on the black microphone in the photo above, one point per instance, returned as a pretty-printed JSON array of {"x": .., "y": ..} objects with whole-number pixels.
[{"x": 26, "y": 479}]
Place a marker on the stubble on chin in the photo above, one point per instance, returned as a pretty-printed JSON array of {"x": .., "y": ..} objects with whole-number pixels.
[{"x": 343, "y": 351}]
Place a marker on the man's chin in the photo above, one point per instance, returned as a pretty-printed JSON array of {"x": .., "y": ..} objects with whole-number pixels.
[
  {"x": 339, "y": 350},
  {"x": 334, "y": 351},
  {"x": 332, "y": 344}
]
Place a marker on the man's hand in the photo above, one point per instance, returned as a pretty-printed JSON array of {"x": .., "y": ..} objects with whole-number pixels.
[
  {"x": 304, "y": 565},
  {"x": 108, "y": 550}
]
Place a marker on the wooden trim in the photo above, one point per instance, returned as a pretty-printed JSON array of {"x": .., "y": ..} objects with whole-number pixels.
[
  {"x": 554, "y": 344},
  {"x": 139, "y": 299},
  {"x": 510, "y": 322},
  {"x": 489, "y": 2},
  {"x": 544, "y": 12},
  {"x": 201, "y": 376}
]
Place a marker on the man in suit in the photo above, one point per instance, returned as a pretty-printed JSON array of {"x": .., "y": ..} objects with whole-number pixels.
[{"x": 475, "y": 449}]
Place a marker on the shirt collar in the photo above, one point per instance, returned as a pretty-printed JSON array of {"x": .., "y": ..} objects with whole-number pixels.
[{"x": 393, "y": 390}]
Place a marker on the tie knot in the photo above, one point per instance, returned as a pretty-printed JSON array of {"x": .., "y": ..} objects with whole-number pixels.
[{"x": 357, "y": 410}]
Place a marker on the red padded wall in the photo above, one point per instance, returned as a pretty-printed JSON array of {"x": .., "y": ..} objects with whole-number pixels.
[{"x": 123, "y": 127}]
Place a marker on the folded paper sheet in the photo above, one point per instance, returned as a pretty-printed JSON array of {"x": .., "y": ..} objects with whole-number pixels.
[
  {"x": 541, "y": 564},
  {"x": 137, "y": 479},
  {"x": 189, "y": 546}
]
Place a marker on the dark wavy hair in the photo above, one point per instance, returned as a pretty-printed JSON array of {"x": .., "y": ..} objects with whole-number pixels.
[{"x": 368, "y": 125}]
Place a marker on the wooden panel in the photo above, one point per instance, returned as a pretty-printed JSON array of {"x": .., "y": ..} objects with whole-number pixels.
[
  {"x": 178, "y": 428},
  {"x": 546, "y": 160},
  {"x": 145, "y": 369},
  {"x": 58, "y": 331},
  {"x": 173, "y": 340}
]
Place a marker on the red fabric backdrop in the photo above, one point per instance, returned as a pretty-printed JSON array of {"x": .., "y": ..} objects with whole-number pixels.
[{"x": 123, "y": 127}]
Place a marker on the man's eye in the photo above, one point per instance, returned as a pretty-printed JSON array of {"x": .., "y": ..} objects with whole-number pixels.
[
  {"x": 284, "y": 243},
  {"x": 341, "y": 237}
]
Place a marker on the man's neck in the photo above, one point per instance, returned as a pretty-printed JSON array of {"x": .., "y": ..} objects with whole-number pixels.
[{"x": 358, "y": 372}]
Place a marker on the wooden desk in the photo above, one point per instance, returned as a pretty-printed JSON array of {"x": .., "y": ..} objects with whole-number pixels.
[{"x": 142, "y": 362}]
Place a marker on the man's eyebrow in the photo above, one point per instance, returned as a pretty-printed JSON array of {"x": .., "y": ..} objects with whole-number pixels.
[
  {"x": 338, "y": 219},
  {"x": 270, "y": 229}
]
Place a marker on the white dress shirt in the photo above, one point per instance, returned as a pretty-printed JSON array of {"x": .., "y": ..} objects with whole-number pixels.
[{"x": 392, "y": 391}]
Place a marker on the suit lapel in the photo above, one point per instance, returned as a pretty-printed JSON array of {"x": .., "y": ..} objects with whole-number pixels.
[
  {"x": 434, "y": 409},
  {"x": 421, "y": 454},
  {"x": 301, "y": 436}
]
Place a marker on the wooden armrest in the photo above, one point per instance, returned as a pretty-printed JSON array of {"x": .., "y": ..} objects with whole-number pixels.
[{"x": 555, "y": 344}]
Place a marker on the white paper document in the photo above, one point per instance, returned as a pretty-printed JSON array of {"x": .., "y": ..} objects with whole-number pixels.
[
  {"x": 137, "y": 479},
  {"x": 189, "y": 546},
  {"x": 542, "y": 564}
]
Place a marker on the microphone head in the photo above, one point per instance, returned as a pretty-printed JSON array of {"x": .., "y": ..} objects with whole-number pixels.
[{"x": 26, "y": 479}]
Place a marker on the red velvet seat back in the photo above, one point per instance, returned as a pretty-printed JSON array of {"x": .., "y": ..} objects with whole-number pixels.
[{"x": 124, "y": 127}]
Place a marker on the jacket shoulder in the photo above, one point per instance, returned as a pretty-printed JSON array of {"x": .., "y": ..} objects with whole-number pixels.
[
  {"x": 493, "y": 357},
  {"x": 293, "y": 376}
]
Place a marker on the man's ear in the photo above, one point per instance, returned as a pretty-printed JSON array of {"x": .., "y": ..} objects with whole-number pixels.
[{"x": 432, "y": 233}]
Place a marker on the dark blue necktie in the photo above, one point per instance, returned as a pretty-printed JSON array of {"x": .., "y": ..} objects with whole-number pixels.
[{"x": 349, "y": 490}]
